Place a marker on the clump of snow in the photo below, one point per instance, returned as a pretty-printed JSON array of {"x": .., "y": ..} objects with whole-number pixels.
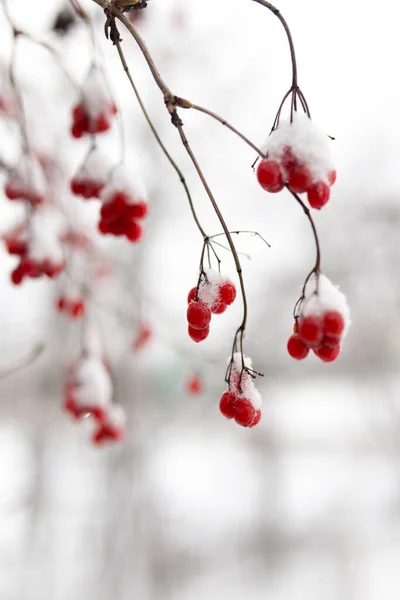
[
  {"x": 246, "y": 383},
  {"x": 94, "y": 168},
  {"x": 96, "y": 96},
  {"x": 329, "y": 297},
  {"x": 210, "y": 286},
  {"x": 120, "y": 181},
  {"x": 308, "y": 144},
  {"x": 93, "y": 383},
  {"x": 44, "y": 236}
]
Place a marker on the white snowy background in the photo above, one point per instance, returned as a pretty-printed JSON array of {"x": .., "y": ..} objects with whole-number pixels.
[{"x": 192, "y": 507}]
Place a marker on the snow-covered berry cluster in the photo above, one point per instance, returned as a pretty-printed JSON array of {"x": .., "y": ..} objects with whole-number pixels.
[
  {"x": 27, "y": 181},
  {"x": 123, "y": 206},
  {"x": 88, "y": 391},
  {"x": 322, "y": 324},
  {"x": 212, "y": 296},
  {"x": 92, "y": 176},
  {"x": 73, "y": 307},
  {"x": 94, "y": 112},
  {"x": 242, "y": 401},
  {"x": 298, "y": 155},
  {"x": 38, "y": 246}
]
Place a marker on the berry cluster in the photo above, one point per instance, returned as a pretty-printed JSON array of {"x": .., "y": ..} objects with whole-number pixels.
[
  {"x": 212, "y": 296},
  {"x": 298, "y": 156},
  {"x": 93, "y": 114},
  {"x": 194, "y": 385},
  {"x": 38, "y": 247},
  {"x": 92, "y": 176},
  {"x": 322, "y": 322},
  {"x": 88, "y": 391},
  {"x": 83, "y": 121},
  {"x": 242, "y": 402},
  {"x": 122, "y": 208},
  {"x": 27, "y": 182},
  {"x": 320, "y": 333},
  {"x": 119, "y": 216},
  {"x": 72, "y": 307}
]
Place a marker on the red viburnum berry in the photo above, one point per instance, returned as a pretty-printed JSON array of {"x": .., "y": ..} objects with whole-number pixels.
[
  {"x": 218, "y": 308},
  {"x": 192, "y": 295},
  {"x": 257, "y": 418},
  {"x": 269, "y": 176},
  {"x": 318, "y": 195},
  {"x": 198, "y": 335},
  {"x": 227, "y": 293},
  {"x": 333, "y": 323},
  {"x": 227, "y": 404},
  {"x": 327, "y": 353},
  {"x": 194, "y": 385},
  {"x": 332, "y": 177},
  {"x": 310, "y": 330},
  {"x": 331, "y": 341},
  {"x": 244, "y": 412},
  {"x": 299, "y": 179},
  {"x": 296, "y": 347},
  {"x": 198, "y": 315}
]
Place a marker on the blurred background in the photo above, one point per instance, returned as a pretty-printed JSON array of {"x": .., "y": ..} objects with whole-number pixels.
[{"x": 190, "y": 506}]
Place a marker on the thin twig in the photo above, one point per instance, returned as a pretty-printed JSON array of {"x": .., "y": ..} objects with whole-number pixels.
[{"x": 159, "y": 141}]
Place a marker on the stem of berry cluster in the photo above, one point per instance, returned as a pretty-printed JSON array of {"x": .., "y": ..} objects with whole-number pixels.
[
  {"x": 278, "y": 14},
  {"x": 157, "y": 137},
  {"x": 171, "y": 102}
]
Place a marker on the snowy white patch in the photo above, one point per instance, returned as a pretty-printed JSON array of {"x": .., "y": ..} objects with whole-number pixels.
[
  {"x": 116, "y": 417},
  {"x": 94, "y": 387},
  {"x": 329, "y": 298},
  {"x": 308, "y": 144},
  {"x": 44, "y": 235},
  {"x": 29, "y": 176},
  {"x": 122, "y": 181},
  {"x": 249, "y": 390},
  {"x": 95, "y": 168},
  {"x": 209, "y": 289},
  {"x": 96, "y": 96}
]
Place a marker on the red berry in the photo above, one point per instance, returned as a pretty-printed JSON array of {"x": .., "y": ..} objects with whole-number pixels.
[
  {"x": 226, "y": 404},
  {"x": 219, "y": 308},
  {"x": 198, "y": 335},
  {"x": 192, "y": 295},
  {"x": 198, "y": 315},
  {"x": 333, "y": 323},
  {"x": 102, "y": 124},
  {"x": 257, "y": 418},
  {"x": 318, "y": 195},
  {"x": 296, "y": 347},
  {"x": 332, "y": 177},
  {"x": 331, "y": 341},
  {"x": 227, "y": 293},
  {"x": 194, "y": 385},
  {"x": 133, "y": 232},
  {"x": 310, "y": 330},
  {"x": 139, "y": 210},
  {"x": 289, "y": 161},
  {"x": 77, "y": 309},
  {"x": 299, "y": 179},
  {"x": 244, "y": 412},
  {"x": 269, "y": 176},
  {"x": 327, "y": 353}
]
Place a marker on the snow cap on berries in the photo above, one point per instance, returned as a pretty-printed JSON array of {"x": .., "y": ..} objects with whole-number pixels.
[
  {"x": 27, "y": 181},
  {"x": 95, "y": 94},
  {"x": 249, "y": 390},
  {"x": 94, "y": 387},
  {"x": 209, "y": 287},
  {"x": 122, "y": 181},
  {"x": 329, "y": 297},
  {"x": 44, "y": 241},
  {"x": 308, "y": 144}
]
